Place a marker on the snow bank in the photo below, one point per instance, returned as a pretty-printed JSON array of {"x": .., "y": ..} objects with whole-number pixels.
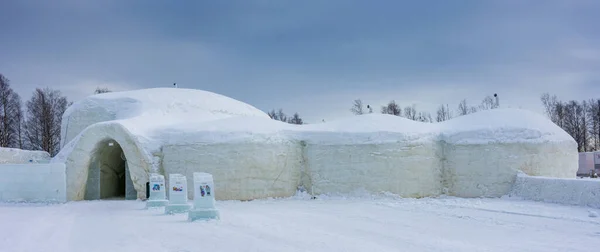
[
  {"x": 582, "y": 192},
  {"x": 32, "y": 182},
  {"x": 18, "y": 156},
  {"x": 169, "y": 130}
]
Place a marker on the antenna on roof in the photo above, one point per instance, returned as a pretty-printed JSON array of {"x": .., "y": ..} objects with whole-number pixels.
[{"x": 497, "y": 100}]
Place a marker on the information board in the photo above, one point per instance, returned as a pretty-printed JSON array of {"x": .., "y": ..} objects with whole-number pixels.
[
  {"x": 157, "y": 187},
  {"x": 177, "y": 189},
  {"x": 204, "y": 191}
]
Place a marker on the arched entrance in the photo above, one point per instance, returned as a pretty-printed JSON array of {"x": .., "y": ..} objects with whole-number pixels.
[{"x": 108, "y": 173}]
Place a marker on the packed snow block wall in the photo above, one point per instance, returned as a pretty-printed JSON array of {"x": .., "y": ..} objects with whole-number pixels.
[
  {"x": 18, "y": 156},
  {"x": 33, "y": 182},
  {"x": 489, "y": 170},
  {"x": 241, "y": 170},
  {"x": 570, "y": 191},
  {"x": 409, "y": 169}
]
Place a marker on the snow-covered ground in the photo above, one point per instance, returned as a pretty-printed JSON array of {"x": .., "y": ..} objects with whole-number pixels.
[{"x": 301, "y": 224}]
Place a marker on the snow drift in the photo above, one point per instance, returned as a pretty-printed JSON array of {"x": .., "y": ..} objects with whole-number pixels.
[
  {"x": 570, "y": 191},
  {"x": 169, "y": 130}
]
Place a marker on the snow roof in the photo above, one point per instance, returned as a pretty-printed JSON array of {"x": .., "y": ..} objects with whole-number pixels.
[
  {"x": 176, "y": 116},
  {"x": 166, "y": 101}
]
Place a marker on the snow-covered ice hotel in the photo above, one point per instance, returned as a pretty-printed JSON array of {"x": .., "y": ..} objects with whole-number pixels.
[{"x": 113, "y": 141}]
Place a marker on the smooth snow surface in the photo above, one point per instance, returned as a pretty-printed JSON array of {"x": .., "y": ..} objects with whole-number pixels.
[
  {"x": 168, "y": 130},
  {"x": 18, "y": 156},
  {"x": 325, "y": 224}
]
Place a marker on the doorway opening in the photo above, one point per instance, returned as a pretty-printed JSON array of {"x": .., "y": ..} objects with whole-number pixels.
[{"x": 108, "y": 174}]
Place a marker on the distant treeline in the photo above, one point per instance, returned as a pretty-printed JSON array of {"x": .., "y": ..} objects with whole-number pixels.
[{"x": 35, "y": 124}]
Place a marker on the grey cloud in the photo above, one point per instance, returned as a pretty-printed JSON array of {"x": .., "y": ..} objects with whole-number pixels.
[{"x": 313, "y": 57}]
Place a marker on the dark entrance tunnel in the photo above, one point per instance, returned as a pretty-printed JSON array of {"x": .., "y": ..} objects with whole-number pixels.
[{"x": 107, "y": 175}]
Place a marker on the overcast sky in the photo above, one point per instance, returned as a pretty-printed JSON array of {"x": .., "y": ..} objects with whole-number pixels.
[{"x": 313, "y": 57}]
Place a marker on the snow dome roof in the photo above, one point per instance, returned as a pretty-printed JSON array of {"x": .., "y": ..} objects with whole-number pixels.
[
  {"x": 180, "y": 116},
  {"x": 154, "y": 108}
]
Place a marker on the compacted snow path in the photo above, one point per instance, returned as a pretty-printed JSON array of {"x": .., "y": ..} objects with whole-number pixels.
[{"x": 299, "y": 224}]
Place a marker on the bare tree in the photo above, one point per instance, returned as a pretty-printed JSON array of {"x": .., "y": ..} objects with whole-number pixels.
[
  {"x": 443, "y": 113},
  {"x": 100, "y": 90},
  {"x": 581, "y": 120},
  {"x": 10, "y": 109},
  {"x": 488, "y": 103},
  {"x": 574, "y": 124},
  {"x": 278, "y": 115},
  {"x": 410, "y": 112},
  {"x": 281, "y": 116},
  {"x": 272, "y": 114},
  {"x": 20, "y": 118},
  {"x": 392, "y": 108},
  {"x": 549, "y": 103},
  {"x": 357, "y": 107},
  {"x": 593, "y": 112},
  {"x": 44, "y": 117},
  {"x": 424, "y": 117},
  {"x": 464, "y": 109},
  {"x": 296, "y": 119},
  {"x": 585, "y": 135},
  {"x": 555, "y": 109}
]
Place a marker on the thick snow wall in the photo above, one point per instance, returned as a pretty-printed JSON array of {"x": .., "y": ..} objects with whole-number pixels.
[
  {"x": 410, "y": 166},
  {"x": 569, "y": 191},
  {"x": 404, "y": 167},
  {"x": 78, "y": 156},
  {"x": 33, "y": 182},
  {"x": 241, "y": 170},
  {"x": 474, "y": 170},
  {"x": 18, "y": 156}
]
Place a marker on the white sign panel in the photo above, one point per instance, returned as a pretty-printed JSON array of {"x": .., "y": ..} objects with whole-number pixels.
[
  {"x": 204, "y": 191},
  {"x": 157, "y": 187},
  {"x": 177, "y": 189}
]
